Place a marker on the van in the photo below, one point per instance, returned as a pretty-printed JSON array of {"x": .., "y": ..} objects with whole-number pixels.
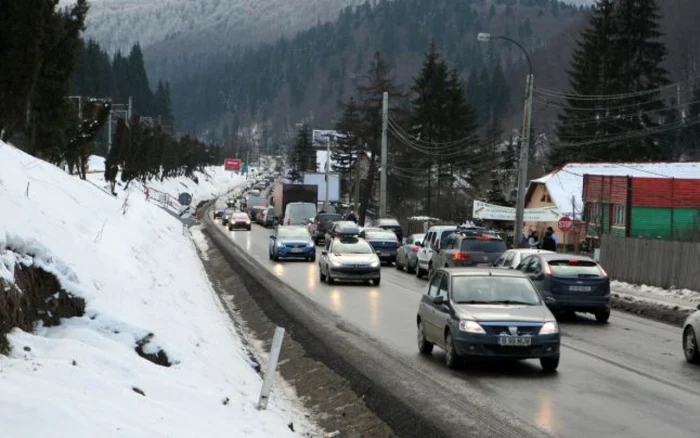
[{"x": 299, "y": 213}]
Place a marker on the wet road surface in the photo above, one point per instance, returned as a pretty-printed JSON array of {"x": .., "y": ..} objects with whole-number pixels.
[{"x": 624, "y": 379}]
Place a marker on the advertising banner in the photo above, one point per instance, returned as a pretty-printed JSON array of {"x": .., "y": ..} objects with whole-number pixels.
[
  {"x": 483, "y": 210},
  {"x": 233, "y": 164}
]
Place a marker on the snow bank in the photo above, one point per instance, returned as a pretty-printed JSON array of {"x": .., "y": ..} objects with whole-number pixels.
[
  {"x": 210, "y": 184},
  {"x": 140, "y": 276},
  {"x": 682, "y": 298}
]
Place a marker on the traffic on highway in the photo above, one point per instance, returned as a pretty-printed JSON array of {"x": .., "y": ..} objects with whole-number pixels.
[{"x": 529, "y": 330}]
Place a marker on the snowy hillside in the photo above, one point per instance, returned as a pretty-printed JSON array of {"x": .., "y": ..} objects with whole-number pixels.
[
  {"x": 118, "y": 24},
  {"x": 142, "y": 284}
]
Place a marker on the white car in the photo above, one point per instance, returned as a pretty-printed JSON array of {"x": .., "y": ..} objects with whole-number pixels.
[
  {"x": 512, "y": 258},
  {"x": 431, "y": 243},
  {"x": 691, "y": 328}
]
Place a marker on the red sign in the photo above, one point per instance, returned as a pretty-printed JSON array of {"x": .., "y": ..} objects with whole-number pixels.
[
  {"x": 565, "y": 224},
  {"x": 232, "y": 164}
]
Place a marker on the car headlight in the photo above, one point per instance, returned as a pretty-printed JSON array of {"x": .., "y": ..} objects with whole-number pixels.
[
  {"x": 549, "y": 328},
  {"x": 471, "y": 327},
  {"x": 374, "y": 264},
  {"x": 280, "y": 245},
  {"x": 310, "y": 244},
  {"x": 336, "y": 264}
]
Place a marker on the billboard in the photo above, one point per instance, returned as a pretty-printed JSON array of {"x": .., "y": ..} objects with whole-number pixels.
[
  {"x": 482, "y": 210},
  {"x": 319, "y": 180},
  {"x": 232, "y": 164}
]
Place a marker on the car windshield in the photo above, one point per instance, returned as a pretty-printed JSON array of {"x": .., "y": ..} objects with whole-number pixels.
[
  {"x": 418, "y": 238},
  {"x": 301, "y": 211},
  {"x": 377, "y": 235},
  {"x": 240, "y": 216},
  {"x": 483, "y": 245},
  {"x": 469, "y": 289},
  {"x": 575, "y": 268},
  {"x": 358, "y": 247},
  {"x": 293, "y": 232}
]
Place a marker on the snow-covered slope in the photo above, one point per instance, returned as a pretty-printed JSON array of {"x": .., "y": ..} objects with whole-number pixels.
[
  {"x": 139, "y": 274},
  {"x": 118, "y": 24}
]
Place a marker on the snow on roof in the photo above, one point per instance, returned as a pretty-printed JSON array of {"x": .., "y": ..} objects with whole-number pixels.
[
  {"x": 139, "y": 274},
  {"x": 566, "y": 184}
]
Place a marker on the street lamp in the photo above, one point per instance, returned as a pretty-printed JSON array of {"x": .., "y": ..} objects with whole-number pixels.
[{"x": 525, "y": 140}]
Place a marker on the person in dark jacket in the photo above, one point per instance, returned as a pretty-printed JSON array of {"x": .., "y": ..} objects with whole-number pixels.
[{"x": 549, "y": 241}]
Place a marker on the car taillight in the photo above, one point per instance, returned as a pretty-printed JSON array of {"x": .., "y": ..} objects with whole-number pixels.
[
  {"x": 603, "y": 272},
  {"x": 415, "y": 248},
  {"x": 547, "y": 270},
  {"x": 461, "y": 256}
]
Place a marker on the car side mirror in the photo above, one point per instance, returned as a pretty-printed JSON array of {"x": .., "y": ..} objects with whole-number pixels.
[
  {"x": 549, "y": 301},
  {"x": 439, "y": 300},
  {"x": 324, "y": 252},
  {"x": 272, "y": 236}
]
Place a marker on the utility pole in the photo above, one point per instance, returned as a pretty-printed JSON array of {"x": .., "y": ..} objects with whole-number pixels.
[
  {"x": 382, "y": 180},
  {"x": 109, "y": 132},
  {"x": 524, "y": 159},
  {"x": 129, "y": 110},
  {"x": 328, "y": 166}
]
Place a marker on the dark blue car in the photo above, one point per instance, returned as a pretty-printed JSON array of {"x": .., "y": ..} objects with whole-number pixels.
[
  {"x": 292, "y": 242},
  {"x": 385, "y": 243}
]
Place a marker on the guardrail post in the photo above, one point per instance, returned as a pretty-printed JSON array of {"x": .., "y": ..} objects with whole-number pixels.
[{"x": 269, "y": 377}]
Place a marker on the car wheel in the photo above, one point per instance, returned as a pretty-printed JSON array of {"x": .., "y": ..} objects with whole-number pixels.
[
  {"x": 419, "y": 271},
  {"x": 312, "y": 259},
  {"x": 409, "y": 269},
  {"x": 603, "y": 316},
  {"x": 377, "y": 281},
  {"x": 398, "y": 265},
  {"x": 690, "y": 345},
  {"x": 452, "y": 358},
  {"x": 275, "y": 257},
  {"x": 270, "y": 254},
  {"x": 329, "y": 279},
  {"x": 321, "y": 276},
  {"x": 424, "y": 346},
  {"x": 549, "y": 364}
]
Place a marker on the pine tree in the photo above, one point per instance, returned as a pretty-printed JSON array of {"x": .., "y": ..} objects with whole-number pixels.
[{"x": 345, "y": 149}]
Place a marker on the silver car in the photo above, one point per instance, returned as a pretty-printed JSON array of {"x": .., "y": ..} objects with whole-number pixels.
[
  {"x": 349, "y": 259},
  {"x": 512, "y": 258},
  {"x": 407, "y": 254},
  {"x": 691, "y": 328}
]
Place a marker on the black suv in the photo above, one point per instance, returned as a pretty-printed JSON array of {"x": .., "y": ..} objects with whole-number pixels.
[
  {"x": 322, "y": 223},
  {"x": 465, "y": 248}
]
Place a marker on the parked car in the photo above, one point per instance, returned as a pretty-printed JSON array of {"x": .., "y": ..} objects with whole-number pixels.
[
  {"x": 291, "y": 242},
  {"x": 351, "y": 259},
  {"x": 390, "y": 225},
  {"x": 512, "y": 258},
  {"x": 691, "y": 328},
  {"x": 432, "y": 242},
  {"x": 322, "y": 222},
  {"x": 385, "y": 243},
  {"x": 342, "y": 229},
  {"x": 486, "y": 313},
  {"x": 239, "y": 220},
  {"x": 573, "y": 283},
  {"x": 269, "y": 217},
  {"x": 463, "y": 249},
  {"x": 406, "y": 255}
]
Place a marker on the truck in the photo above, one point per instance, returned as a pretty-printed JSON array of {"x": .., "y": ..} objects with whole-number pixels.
[
  {"x": 283, "y": 193},
  {"x": 319, "y": 180}
]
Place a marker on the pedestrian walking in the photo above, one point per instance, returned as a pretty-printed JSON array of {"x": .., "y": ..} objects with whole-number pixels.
[{"x": 549, "y": 241}]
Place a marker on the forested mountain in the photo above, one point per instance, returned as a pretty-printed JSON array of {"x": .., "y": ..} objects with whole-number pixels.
[
  {"x": 309, "y": 74},
  {"x": 119, "y": 77}
]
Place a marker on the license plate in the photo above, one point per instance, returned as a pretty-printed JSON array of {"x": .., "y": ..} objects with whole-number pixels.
[
  {"x": 297, "y": 250},
  {"x": 515, "y": 341},
  {"x": 580, "y": 288}
]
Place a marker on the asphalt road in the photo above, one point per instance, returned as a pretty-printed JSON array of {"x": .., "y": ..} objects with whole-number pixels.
[{"x": 624, "y": 379}]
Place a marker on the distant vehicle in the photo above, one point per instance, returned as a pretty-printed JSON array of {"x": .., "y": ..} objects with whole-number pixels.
[
  {"x": 461, "y": 249},
  {"x": 218, "y": 214},
  {"x": 239, "y": 220},
  {"x": 255, "y": 201},
  {"x": 322, "y": 223},
  {"x": 299, "y": 213},
  {"x": 432, "y": 242},
  {"x": 254, "y": 211},
  {"x": 390, "y": 225},
  {"x": 291, "y": 242},
  {"x": 351, "y": 259},
  {"x": 342, "y": 229},
  {"x": 691, "y": 328},
  {"x": 512, "y": 258},
  {"x": 319, "y": 180},
  {"x": 269, "y": 217},
  {"x": 254, "y": 192},
  {"x": 573, "y": 283},
  {"x": 284, "y": 193},
  {"x": 406, "y": 255},
  {"x": 384, "y": 243},
  {"x": 486, "y": 313},
  {"x": 226, "y": 216}
]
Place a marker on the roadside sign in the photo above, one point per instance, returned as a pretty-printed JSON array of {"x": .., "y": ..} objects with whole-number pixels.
[
  {"x": 232, "y": 164},
  {"x": 565, "y": 224}
]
